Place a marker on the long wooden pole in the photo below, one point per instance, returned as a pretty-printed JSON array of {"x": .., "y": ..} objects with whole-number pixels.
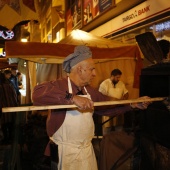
[{"x": 105, "y": 103}]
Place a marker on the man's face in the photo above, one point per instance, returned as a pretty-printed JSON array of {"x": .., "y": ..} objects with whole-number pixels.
[
  {"x": 88, "y": 72},
  {"x": 115, "y": 79}
]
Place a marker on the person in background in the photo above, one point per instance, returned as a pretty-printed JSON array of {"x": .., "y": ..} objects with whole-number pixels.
[
  {"x": 165, "y": 47},
  {"x": 14, "y": 81},
  {"x": 71, "y": 130},
  {"x": 115, "y": 88},
  {"x": 8, "y": 98},
  {"x": 19, "y": 76},
  {"x": 1, "y": 76}
]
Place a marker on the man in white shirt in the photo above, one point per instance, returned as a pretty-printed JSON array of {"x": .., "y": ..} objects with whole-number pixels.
[{"x": 113, "y": 87}]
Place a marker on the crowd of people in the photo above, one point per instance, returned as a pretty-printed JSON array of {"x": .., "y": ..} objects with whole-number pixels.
[{"x": 9, "y": 97}]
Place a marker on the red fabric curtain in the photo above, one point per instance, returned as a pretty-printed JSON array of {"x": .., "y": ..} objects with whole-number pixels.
[{"x": 53, "y": 50}]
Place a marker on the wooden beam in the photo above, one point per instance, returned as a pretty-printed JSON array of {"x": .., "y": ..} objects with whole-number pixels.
[
  {"x": 105, "y": 103},
  {"x": 44, "y": 60}
]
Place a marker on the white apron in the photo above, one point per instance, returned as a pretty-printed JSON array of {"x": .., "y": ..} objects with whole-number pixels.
[{"x": 74, "y": 140}]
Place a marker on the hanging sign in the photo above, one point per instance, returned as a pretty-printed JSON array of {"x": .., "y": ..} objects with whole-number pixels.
[
  {"x": 7, "y": 35},
  {"x": 140, "y": 13}
]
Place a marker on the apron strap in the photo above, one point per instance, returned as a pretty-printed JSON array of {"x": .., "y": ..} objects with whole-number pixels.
[{"x": 69, "y": 86}]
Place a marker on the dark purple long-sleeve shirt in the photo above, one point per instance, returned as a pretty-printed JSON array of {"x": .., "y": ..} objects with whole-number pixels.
[{"x": 54, "y": 93}]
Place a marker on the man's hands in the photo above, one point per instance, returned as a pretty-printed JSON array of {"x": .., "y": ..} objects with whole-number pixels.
[
  {"x": 83, "y": 103},
  {"x": 141, "y": 105}
]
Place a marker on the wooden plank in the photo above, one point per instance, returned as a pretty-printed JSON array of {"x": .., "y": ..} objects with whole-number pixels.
[{"x": 105, "y": 103}]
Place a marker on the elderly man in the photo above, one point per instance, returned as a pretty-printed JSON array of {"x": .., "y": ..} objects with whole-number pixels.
[{"x": 72, "y": 130}]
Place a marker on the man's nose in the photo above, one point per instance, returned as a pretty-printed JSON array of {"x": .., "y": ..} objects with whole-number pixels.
[{"x": 94, "y": 73}]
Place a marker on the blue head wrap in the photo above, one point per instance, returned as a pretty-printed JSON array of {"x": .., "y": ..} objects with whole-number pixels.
[{"x": 81, "y": 53}]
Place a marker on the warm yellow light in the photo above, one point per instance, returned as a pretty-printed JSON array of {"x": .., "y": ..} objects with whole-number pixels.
[
  {"x": 1, "y": 51},
  {"x": 24, "y": 40},
  {"x": 77, "y": 34}
]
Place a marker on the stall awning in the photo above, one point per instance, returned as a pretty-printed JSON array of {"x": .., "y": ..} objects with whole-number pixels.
[{"x": 55, "y": 53}]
